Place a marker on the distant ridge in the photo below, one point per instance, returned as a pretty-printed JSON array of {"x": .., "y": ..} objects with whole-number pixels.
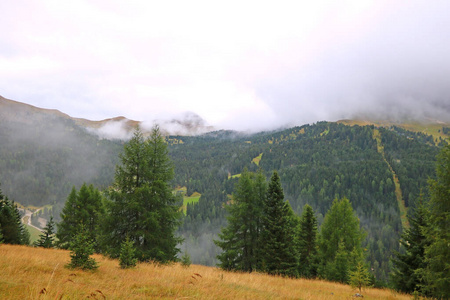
[
  {"x": 111, "y": 128},
  {"x": 430, "y": 127}
]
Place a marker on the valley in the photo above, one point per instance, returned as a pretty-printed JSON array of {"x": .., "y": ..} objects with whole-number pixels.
[{"x": 381, "y": 167}]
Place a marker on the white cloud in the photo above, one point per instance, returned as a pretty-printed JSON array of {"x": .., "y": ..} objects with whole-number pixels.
[{"x": 246, "y": 64}]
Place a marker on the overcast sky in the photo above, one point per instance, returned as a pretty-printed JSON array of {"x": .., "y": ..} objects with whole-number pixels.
[{"x": 238, "y": 64}]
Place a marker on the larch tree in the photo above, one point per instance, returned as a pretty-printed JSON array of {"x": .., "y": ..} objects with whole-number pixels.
[
  {"x": 240, "y": 239},
  {"x": 141, "y": 203},
  {"x": 340, "y": 242}
]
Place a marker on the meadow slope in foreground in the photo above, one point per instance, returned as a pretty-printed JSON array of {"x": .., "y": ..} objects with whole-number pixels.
[{"x": 37, "y": 273}]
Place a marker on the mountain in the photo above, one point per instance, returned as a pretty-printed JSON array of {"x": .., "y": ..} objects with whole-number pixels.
[
  {"x": 114, "y": 128},
  {"x": 380, "y": 166}
]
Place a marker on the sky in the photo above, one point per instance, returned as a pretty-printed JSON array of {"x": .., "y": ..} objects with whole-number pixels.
[{"x": 242, "y": 65}]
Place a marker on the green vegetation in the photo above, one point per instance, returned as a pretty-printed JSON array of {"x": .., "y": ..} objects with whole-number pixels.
[
  {"x": 83, "y": 208},
  {"x": 34, "y": 233},
  {"x": 190, "y": 200},
  {"x": 82, "y": 247},
  {"x": 316, "y": 164},
  {"x": 127, "y": 257},
  {"x": 141, "y": 204},
  {"x": 257, "y": 159},
  {"x": 12, "y": 230},
  {"x": 47, "y": 237}
]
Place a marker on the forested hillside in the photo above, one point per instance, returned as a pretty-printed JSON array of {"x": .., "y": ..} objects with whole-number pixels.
[
  {"x": 317, "y": 163},
  {"x": 43, "y": 158},
  {"x": 43, "y": 155}
]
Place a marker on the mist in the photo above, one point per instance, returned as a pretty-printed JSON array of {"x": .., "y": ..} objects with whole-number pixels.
[{"x": 273, "y": 66}]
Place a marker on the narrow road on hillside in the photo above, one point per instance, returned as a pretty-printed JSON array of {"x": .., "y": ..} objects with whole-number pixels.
[
  {"x": 28, "y": 214},
  {"x": 398, "y": 190}
]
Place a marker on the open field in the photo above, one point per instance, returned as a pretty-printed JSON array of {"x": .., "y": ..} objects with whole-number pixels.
[
  {"x": 432, "y": 128},
  {"x": 191, "y": 199},
  {"x": 34, "y": 233},
  {"x": 257, "y": 159},
  {"x": 37, "y": 273}
]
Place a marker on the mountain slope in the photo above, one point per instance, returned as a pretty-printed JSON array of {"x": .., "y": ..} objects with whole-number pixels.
[
  {"x": 44, "y": 153},
  {"x": 37, "y": 273}
]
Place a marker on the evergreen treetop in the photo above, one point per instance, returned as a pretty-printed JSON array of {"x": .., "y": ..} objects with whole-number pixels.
[{"x": 46, "y": 239}]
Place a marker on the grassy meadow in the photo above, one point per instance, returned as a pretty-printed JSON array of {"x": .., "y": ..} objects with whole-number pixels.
[
  {"x": 37, "y": 273},
  {"x": 34, "y": 233}
]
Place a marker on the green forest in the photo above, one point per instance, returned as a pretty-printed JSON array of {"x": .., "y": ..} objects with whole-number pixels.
[{"x": 313, "y": 176}]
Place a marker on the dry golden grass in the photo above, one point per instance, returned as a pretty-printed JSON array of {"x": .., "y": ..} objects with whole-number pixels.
[{"x": 36, "y": 273}]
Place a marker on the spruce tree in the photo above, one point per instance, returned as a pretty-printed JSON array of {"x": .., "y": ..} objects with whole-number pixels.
[
  {"x": 127, "y": 257},
  {"x": 185, "y": 260},
  {"x": 46, "y": 239},
  {"x": 404, "y": 275},
  {"x": 83, "y": 207},
  {"x": 340, "y": 242},
  {"x": 82, "y": 247},
  {"x": 13, "y": 230},
  {"x": 307, "y": 241},
  {"x": 435, "y": 274},
  {"x": 279, "y": 253},
  {"x": 141, "y": 203},
  {"x": 240, "y": 240}
]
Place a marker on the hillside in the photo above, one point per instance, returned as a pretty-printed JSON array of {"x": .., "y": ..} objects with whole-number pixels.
[
  {"x": 380, "y": 169},
  {"x": 37, "y": 273}
]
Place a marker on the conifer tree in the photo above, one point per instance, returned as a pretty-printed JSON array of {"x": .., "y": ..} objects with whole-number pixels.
[
  {"x": 83, "y": 207},
  {"x": 185, "y": 260},
  {"x": 141, "y": 203},
  {"x": 127, "y": 257},
  {"x": 82, "y": 247},
  {"x": 404, "y": 275},
  {"x": 279, "y": 253},
  {"x": 46, "y": 239},
  {"x": 307, "y": 241},
  {"x": 436, "y": 272},
  {"x": 359, "y": 278},
  {"x": 240, "y": 240},
  {"x": 1, "y": 235},
  {"x": 13, "y": 230},
  {"x": 340, "y": 242}
]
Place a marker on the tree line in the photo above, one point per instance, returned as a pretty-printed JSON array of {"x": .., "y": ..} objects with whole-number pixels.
[{"x": 264, "y": 234}]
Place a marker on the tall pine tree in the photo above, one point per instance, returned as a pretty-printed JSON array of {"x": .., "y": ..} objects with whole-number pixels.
[
  {"x": 142, "y": 205},
  {"x": 436, "y": 272},
  {"x": 13, "y": 231},
  {"x": 307, "y": 243},
  {"x": 404, "y": 275},
  {"x": 279, "y": 253}
]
